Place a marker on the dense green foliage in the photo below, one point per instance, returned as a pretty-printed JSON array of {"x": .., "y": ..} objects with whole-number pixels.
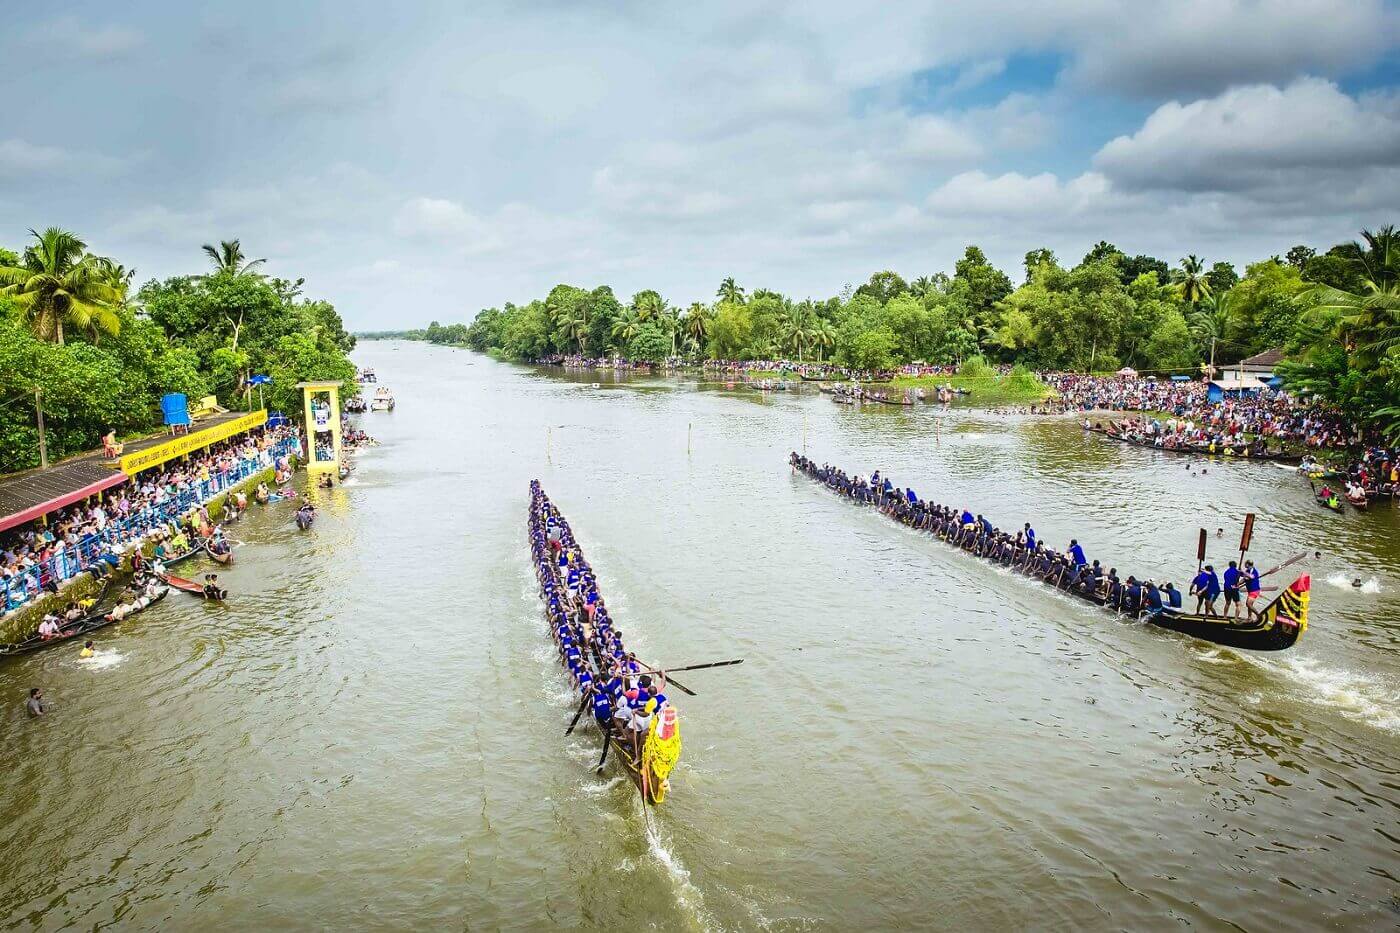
[
  {"x": 1110, "y": 310},
  {"x": 197, "y": 334}
]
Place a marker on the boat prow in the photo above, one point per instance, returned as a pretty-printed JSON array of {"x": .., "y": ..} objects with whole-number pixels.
[{"x": 1277, "y": 627}]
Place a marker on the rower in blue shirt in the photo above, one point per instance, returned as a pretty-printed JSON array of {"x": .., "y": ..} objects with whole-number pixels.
[
  {"x": 1152, "y": 599},
  {"x": 912, "y": 498},
  {"x": 967, "y": 518},
  {"x": 1173, "y": 596},
  {"x": 1232, "y": 589},
  {"x": 602, "y": 708},
  {"x": 1206, "y": 586},
  {"x": 1030, "y": 537},
  {"x": 1077, "y": 553}
]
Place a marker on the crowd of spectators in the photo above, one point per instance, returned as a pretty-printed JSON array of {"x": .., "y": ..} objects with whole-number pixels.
[
  {"x": 1270, "y": 414},
  {"x": 36, "y": 558}
]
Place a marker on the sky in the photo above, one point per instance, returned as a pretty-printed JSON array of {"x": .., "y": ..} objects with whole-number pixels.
[{"x": 421, "y": 161}]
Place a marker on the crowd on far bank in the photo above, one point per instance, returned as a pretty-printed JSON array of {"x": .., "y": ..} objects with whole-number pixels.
[
  {"x": 1278, "y": 417},
  {"x": 36, "y": 558},
  {"x": 1271, "y": 414}
]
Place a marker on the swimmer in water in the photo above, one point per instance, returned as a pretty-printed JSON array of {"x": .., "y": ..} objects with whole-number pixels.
[{"x": 87, "y": 651}]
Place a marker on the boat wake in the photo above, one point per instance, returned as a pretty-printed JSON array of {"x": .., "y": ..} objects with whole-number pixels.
[
  {"x": 688, "y": 897},
  {"x": 1358, "y": 697},
  {"x": 1342, "y": 581}
]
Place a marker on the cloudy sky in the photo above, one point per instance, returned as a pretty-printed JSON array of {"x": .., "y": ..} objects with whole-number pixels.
[{"x": 423, "y": 160}]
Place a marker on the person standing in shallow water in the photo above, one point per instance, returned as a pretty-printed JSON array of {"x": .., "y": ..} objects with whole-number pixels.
[{"x": 35, "y": 705}]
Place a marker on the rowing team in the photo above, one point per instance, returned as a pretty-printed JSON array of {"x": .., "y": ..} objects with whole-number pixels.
[
  {"x": 607, "y": 675},
  {"x": 1023, "y": 551}
]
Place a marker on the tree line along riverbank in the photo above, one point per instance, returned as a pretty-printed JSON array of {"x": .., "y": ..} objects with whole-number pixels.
[
  {"x": 80, "y": 339},
  {"x": 1335, "y": 314}
]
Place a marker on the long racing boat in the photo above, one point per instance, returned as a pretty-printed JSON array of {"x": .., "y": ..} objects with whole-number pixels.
[
  {"x": 1239, "y": 452},
  {"x": 1274, "y": 627},
  {"x": 609, "y": 681}
]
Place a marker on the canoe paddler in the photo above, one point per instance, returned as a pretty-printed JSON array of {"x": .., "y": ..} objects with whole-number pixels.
[
  {"x": 1077, "y": 553},
  {"x": 1231, "y": 590},
  {"x": 1251, "y": 588},
  {"x": 1206, "y": 586}
]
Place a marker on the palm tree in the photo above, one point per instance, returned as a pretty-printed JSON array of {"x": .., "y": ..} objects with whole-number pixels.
[
  {"x": 625, "y": 327},
  {"x": 697, "y": 322},
  {"x": 57, "y": 284},
  {"x": 649, "y": 305},
  {"x": 1212, "y": 318},
  {"x": 229, "y": 259},
  {"x": 823, "y": 337},
  {"x": 576, "y": 327},
  {"x": 1191, "y": 281},
  {"x": 118, "y": 277},
  {"x": 1367, "y": 321},
  {"x": 671, "y": 321},
  {"x": 798, "y": 331},
  {"x": 730, "y": 291}
]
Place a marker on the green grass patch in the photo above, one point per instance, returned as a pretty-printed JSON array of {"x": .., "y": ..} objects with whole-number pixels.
[{"x": 1018, "y": 387}]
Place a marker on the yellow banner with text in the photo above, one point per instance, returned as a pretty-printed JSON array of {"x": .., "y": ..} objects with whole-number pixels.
[{"x": 135, "y": 462}]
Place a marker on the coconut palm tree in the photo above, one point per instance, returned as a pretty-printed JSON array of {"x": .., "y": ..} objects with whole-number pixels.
[
  {"x": 730, "y": 291},
  {"x": 576, "y": 327},
  {"x": 57, "y": 284},
  {"x": 823, "y": 337},
  {"x": 1191, "y": 281},
  {"x": 798, "y": 332},
  {"x": 649, "y": 305},
  {"x": 118, "y": 277},
  {"x": 625, "y": 327},
  {"x": 1212, "y": 318},
  {"x": 229, "y": 259},
  {"x": 697, "y": 323},
  {"x": 1367, "y": 321}
]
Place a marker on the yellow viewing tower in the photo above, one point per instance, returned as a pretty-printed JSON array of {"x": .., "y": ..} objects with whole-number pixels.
[{"x": 322, "y": 401}]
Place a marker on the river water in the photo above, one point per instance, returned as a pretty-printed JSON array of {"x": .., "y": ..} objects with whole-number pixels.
[{"x": 370, "y": 733}]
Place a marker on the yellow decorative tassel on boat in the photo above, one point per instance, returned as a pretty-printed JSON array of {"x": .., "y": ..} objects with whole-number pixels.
[{"x": 662, "y": 750}]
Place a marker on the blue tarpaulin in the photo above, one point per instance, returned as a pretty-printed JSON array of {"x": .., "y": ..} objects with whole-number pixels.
[{"x": 176, "y": 409}]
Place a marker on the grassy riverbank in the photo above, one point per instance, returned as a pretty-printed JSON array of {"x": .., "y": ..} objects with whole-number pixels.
[{"x": 1019, "y": 387}]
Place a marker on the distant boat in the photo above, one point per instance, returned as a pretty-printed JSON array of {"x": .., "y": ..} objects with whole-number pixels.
[{"x": 383, "y": 400}]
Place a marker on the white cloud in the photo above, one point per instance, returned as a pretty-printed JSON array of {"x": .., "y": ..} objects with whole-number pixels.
[
  {"x": 792, "y": 144},
  {"x": 19, "y": 157},
  {"x": 1256, "y": 137},
  {"x": 71, "y": 35},
  {"x": 1016, "y": 195}
]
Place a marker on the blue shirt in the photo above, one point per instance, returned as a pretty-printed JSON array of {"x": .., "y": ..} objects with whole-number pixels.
[
  {"x": 1232, "y": 578},
  {"x": 1253, "y": 580},
  {"x": 1030, "y": 537},
  {"x": 1077, "y": 553},
  {"x": 1174, "y": 598}
]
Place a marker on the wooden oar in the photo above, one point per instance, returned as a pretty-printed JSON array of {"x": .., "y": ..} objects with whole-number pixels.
[
  {"x": 607, "y": 741},
  {"x": 1292, "y": 560},
  {"x": 577, "y": 716},
  {"x": 689, "y": 667}
]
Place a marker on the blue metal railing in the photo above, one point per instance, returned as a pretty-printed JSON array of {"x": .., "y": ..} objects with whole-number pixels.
[{"x": 31, "y": 582}]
